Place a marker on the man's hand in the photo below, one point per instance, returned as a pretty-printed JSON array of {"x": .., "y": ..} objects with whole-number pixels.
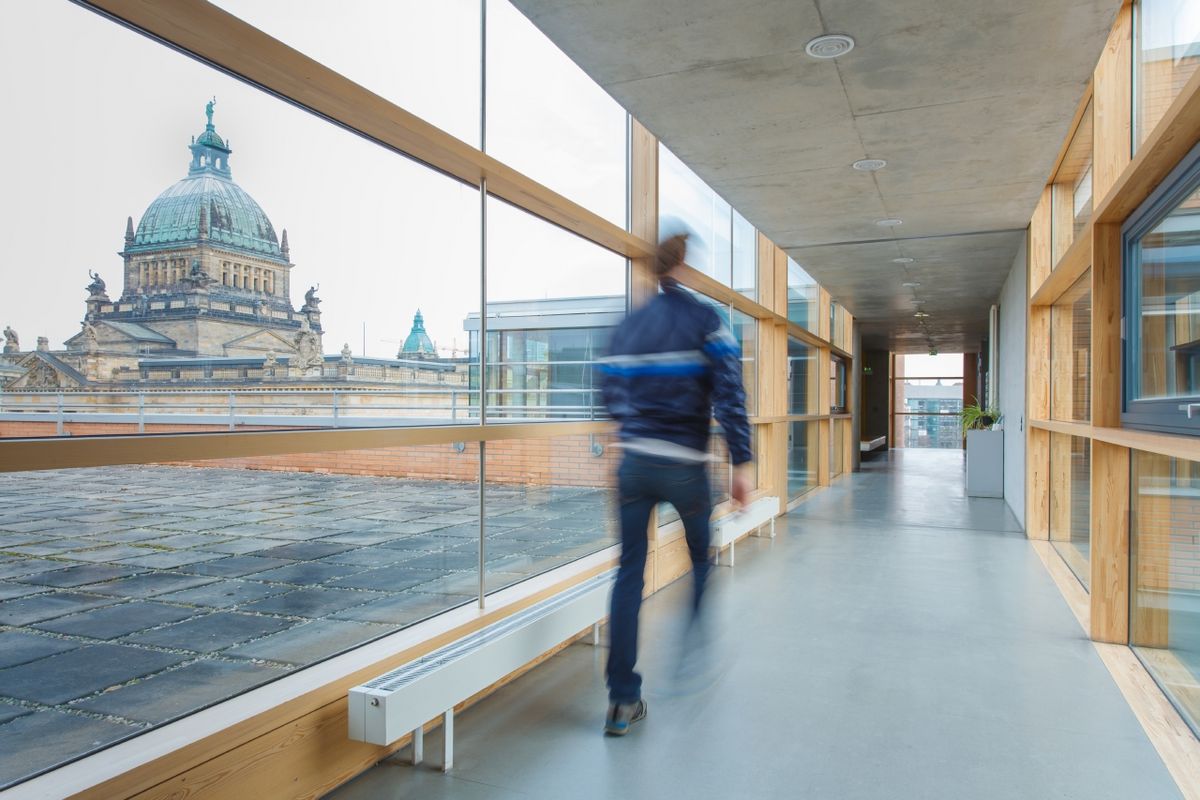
[{"x": 741, "y": 484}]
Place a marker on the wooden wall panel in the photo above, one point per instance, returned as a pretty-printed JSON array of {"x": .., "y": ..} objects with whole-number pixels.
[
  {"x": 1113, "y": 106},
  {"x": 643, "y": 209},
  {"x": 1106, "y": 325},
  {"x": 1039, "y": 243},
  {"x": 1037, "y": 483},
  {"x": 1110, "y": 543}
]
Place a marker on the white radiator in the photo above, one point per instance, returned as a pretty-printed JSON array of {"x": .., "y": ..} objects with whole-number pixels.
[
  {"x": 403, "y": 700},
  {"x": 730, "y": 528}
]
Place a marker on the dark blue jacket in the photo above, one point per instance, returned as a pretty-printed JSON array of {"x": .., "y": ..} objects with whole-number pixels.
[{"x": 673, "y": 363}]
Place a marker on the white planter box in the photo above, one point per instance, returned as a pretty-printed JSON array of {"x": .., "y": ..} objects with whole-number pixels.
[{"x": 985, "y": 463}]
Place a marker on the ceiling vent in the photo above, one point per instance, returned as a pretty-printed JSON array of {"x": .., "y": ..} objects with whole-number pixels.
[{"x": 833, "y": 45}]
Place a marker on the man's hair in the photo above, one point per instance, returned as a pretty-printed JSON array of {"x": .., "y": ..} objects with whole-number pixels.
[{"x": 671, "y": 253}]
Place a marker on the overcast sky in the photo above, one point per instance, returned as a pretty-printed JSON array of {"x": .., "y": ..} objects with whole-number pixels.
[{"x": 100, "y": 121}]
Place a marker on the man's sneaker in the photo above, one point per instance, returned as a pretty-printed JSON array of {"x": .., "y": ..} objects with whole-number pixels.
[{"x": 622, "y": 715}]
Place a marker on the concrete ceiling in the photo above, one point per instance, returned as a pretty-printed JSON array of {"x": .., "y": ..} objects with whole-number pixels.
[{"x": 968, "y": 100}]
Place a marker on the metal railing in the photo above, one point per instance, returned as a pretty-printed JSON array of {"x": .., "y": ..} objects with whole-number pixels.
[{"x": 316, "y": 407}]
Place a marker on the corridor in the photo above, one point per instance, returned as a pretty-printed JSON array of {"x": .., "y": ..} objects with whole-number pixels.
[{"x": 896, "y": 640}]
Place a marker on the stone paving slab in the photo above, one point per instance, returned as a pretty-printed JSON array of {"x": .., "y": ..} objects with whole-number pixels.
[
  {"x": 8, "y": 591},
  {"x": 225, "y": 593},
  {"x": 307, "y": 643},
  {"x": 243, "y": 546},
  {"x": 116, "y": 621},
  {"x": 212, "y": 632},
  {"x": 306, "y": 551},
  {"x": 310, "y": 602},
  {"x": 80, "y": 672},
  {"x": 11, "y": 712},
  {"x": 56, "y": 737},
  {"x": 178, "y": 691},
  {"x": 369, "y": 557},
  {"x": 395, "y": 578},
  {"x": 25, "y": 610},
  {"x": 307, "y": 573},
  {"x": 26, "y": 566},
  {"x": 78, "y": 575},
  {"x": 20, "y": 647},
  {"x": 148, "y": 584},
  {"x": 178, "y": 558},
  {"x": 404, "y": 608},
  {"x": 235, "y": 566}
]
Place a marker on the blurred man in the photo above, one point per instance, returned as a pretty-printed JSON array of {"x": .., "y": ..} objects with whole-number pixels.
[{"x": 673, "y": 365}]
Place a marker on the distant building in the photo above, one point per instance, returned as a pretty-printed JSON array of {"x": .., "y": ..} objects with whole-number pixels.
[{"x": 932, "y": 411}]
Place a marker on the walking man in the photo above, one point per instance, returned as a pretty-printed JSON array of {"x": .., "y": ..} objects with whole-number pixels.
[{"x": 673, "y": 364}]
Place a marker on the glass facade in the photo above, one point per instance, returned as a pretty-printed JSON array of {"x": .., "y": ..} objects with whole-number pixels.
[
  {"x": 1162, "y": 266},
  {"x": 802, "y": 297},
  {"x": 1071, "y": 353},
  {"x": 1070, "y": 502},
  {"x": 1166, "y": 54},
  {"x": 550, "y": 314},
  {"x": 549, "y": 120},
  {"x": 927, "y": 398},
  {"x": 802, "y": 458},
  {"x": 1071, "y": 190},
  {"x": 686, "y": 204},
  {"x": 1165, "y": 597},
  {"x": 395, "y": 297},
  {"x": 802, "y": 377}
]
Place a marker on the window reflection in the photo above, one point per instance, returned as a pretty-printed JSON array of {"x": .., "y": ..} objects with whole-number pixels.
[
  {"x": 1071, "y": 352},
  {"x": 1167, "y": 45},
  {"x": 802, "y": 297},
  {"x": 1070, "y": 502}
]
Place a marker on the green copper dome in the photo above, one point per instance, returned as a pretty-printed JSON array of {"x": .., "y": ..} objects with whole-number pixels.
[
  {"x": 418, "y": 342},
  {"x": 207, "y": 204}
]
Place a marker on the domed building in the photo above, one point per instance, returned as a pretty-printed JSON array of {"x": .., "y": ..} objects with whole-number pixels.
[
  {"x": 204, "y": 273},
  {"x": 418, "y": 346}
]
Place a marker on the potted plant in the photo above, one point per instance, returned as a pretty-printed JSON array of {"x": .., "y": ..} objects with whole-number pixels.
[
  {"x": 985, "y": 451},
  {"x": 975, "y": 418}
]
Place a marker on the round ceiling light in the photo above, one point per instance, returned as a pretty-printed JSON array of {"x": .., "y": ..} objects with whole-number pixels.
[
  {"x": 903, "y": 260},
  {"x": 890, "y": 222},
  {"x": 869, "y": 164},
  {"x": 833, "y": 45}
]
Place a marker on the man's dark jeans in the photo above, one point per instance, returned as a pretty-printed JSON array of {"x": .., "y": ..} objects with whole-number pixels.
[{"x": 643, "y": 481}]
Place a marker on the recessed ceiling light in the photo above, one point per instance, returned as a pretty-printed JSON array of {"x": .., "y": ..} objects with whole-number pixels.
[
  {"x": 869, "y": 164},
  {"x": 831, "y": 45},
  {"x": 910, "y": 284},
  {"x": 890, "y": 222},
  {"x": 921, "y": 314},
  {"x": 903, "y": 260}
]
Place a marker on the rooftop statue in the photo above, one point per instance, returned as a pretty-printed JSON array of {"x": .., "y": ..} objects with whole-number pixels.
[
  {"x": 11, "y": 343},
  {"x": 208, "y": 109},
  {"x": 311, "y": 301},
  {"x": 97, "y": 287}
]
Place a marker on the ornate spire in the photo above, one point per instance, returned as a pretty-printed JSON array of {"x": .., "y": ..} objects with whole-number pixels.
[
  {"x": 210, "y": 153},
  {"x": 129, "y": 231},
  {"x": 283, "y": 246}
]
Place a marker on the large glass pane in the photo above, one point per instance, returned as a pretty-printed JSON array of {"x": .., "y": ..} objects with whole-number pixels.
[
  {"x": 745, "y": 257},
  {"x": 745, "y": 330},
  {"x": 837, "y": 385},
  {"x": 1164, "y": 362},
  {"x": 688, "y": 204},
  {"x": 548, "y": 502},
  {"x": 548, "y": 119},
  {"x": 1071, "y": 190},
  {"x": 1165, "y": 615},
  {"x": 927, "y": 400},
  {"x": 134, "y": 595},
  {"x": 802, "y": 458},
  {"x": 424, "y": 57},
  {"x": 1070, "y": 502},
  {"x": 802, "y": 377},
  {"x": 1071, "y": 353},
  {"x": 1167, "y": 51},
  {"x": 802, "y": 297},
  {"x": 553, "y": 300},
  {"x": 300, "y": 277}
]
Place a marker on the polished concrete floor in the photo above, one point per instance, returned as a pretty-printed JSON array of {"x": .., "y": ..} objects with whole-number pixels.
[{"x": 896, "y": 640}]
